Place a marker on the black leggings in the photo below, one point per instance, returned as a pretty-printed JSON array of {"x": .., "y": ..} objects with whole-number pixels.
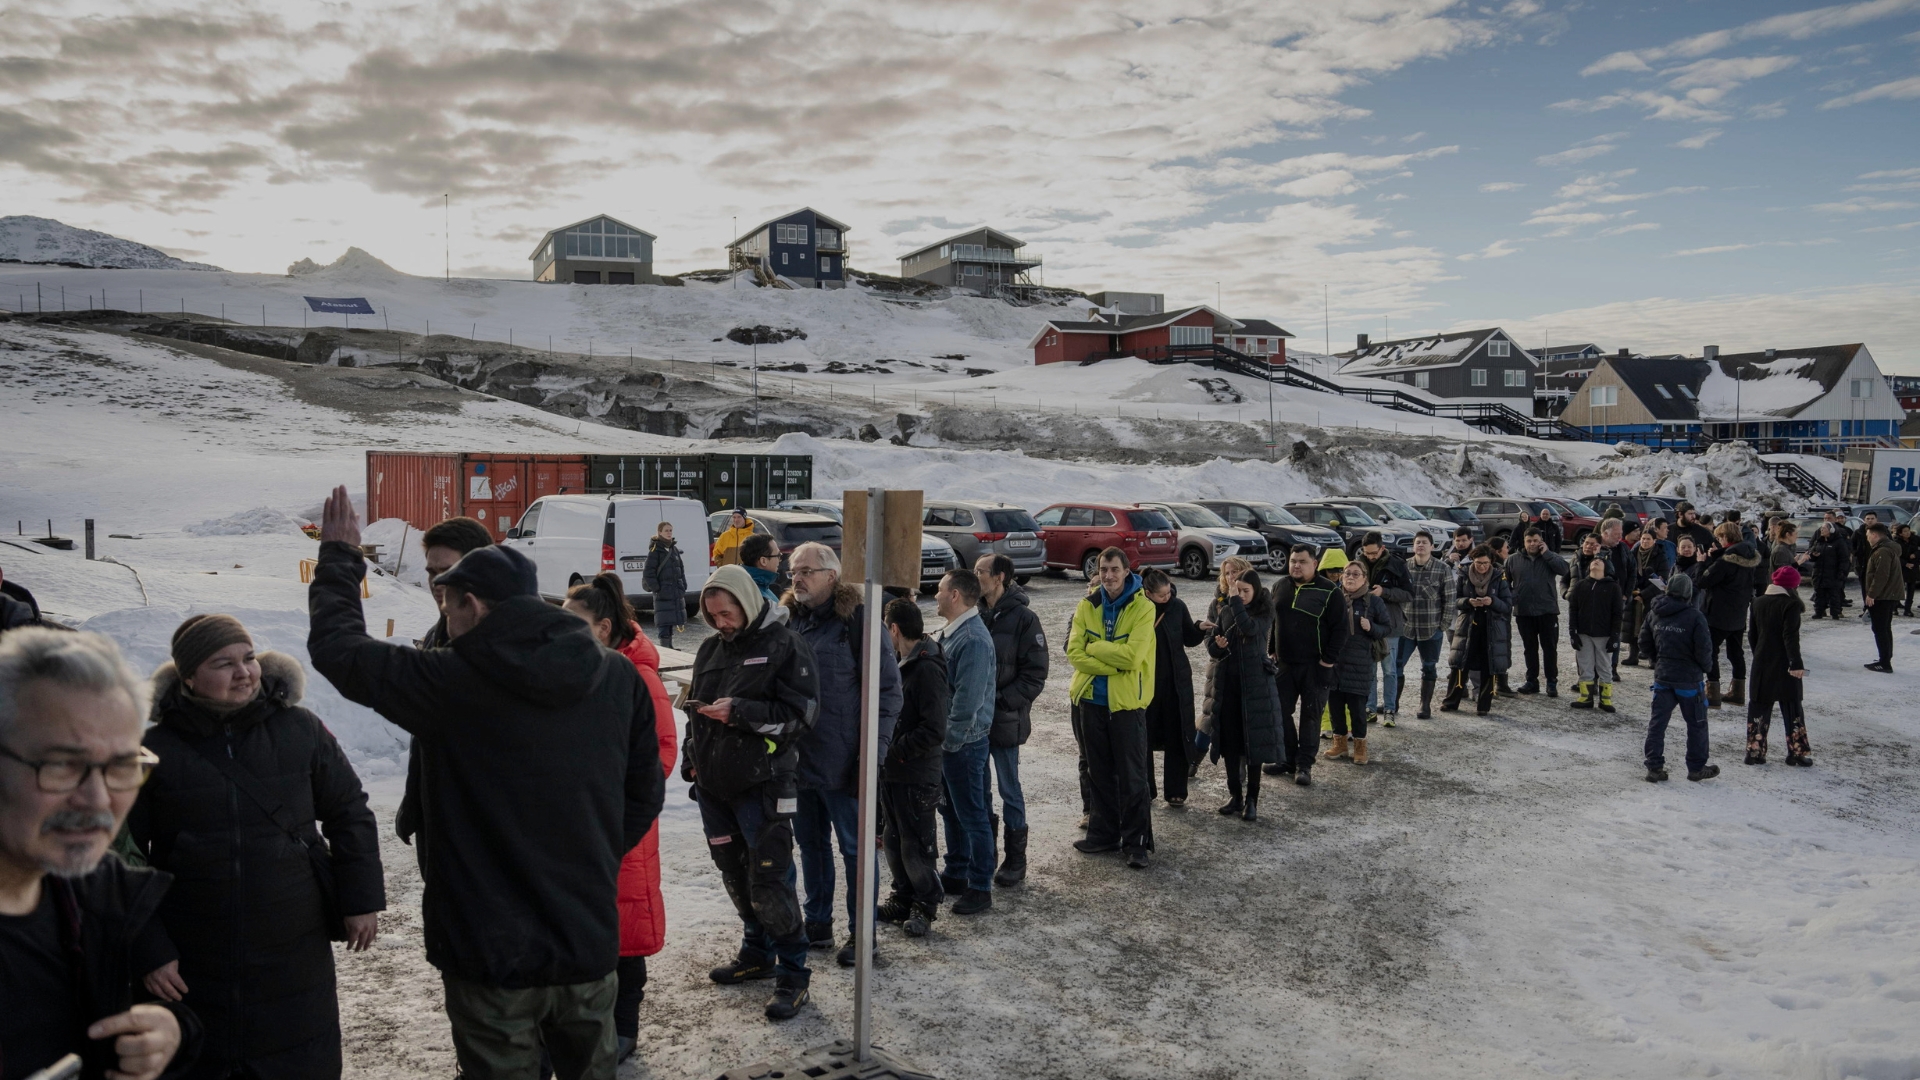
[
  {"x": 1236, "y": 768},
  {"x": 1345, "y": 705},
  {"x": 1736, "y": 655},
  {"x": 632, "y": 974}
]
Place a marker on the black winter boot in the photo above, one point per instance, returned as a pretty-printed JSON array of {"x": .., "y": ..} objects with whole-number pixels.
[
  {"x": 1456, "y": 692},
  {"x": 1014, "y": 869},
  {"x": 1484, "y": 704},
  {"x": 1427, "y": 683},
  {"x": 921, "y": 920},
  {"x": 747, "y": 967},
  {"x": 788, "y": 998}
]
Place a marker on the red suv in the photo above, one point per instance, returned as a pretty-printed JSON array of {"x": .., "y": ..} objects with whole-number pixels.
[
  {"x": 1577, "y": 519},
  {"x": 1076, "y": 533}
]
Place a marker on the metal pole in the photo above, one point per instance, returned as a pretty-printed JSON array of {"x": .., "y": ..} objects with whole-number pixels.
[
  {"x": 89, "y": 539},
  {"x": 865, "y": 871}
]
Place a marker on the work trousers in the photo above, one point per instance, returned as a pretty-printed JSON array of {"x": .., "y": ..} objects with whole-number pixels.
[
  {"x": 499, "y": 1033},
  {"x": 1540, "y": 642},
  {"x": 1118, "y": 766},
  {"x": 1303, "y": 691},
  {"x": 1881, "y": 615},
  {"x": 752, "y": 844},
  {"x": 1693, "y": 709},
  {"x": 911, "y": 813},
  {"x": 1736, "y": 654}
]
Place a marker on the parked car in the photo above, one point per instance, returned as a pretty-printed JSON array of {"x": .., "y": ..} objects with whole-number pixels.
[
  {"x": 1281, "y": 529},
  {"x": 570, "y": 538},
  {"x": 936, "y": 555},
  {"x": 1204, "y": 538},
  {"x": 1075, "y": 534},
  {"x": 1353, "y": 524},
  {"x": 789, "y": 529},
  {"x": 1577, "y": 519},
  {"x": 1455, "y": 516},
  {"x": 1908, "y": 504},
  {"x": 1809, "y": 527},
  {"x": 1637, "y": 507},
  {"x": 1397, "y": 513},
  {"x": 982, "y": 528}
]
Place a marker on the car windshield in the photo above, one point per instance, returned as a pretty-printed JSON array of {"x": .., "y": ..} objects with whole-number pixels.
[
  {"x": 1006, "y": 521},
  {"x": 1273, "y": 515},
  {"x": 1198, "y": 517},
  {"x": 1353, "y": 515},
  {"x": 1401, "y": 510},
  {"x": 1580, "y": 509},
  {"x": 1148, "y": 521},
  {"x": 802, "y": 532}
]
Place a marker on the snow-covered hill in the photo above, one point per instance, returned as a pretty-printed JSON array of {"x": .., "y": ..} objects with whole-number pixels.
[{"x": 44, "y": 240}]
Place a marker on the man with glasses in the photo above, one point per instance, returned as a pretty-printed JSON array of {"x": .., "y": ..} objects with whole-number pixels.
[{"x": 71, "y": 764}]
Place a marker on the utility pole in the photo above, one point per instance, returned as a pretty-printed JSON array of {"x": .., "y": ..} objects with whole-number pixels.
[
  {"x": 733, "y": 273},
  {"x": 446, "y": 231},
  {"x": 1326, "y": 319}
]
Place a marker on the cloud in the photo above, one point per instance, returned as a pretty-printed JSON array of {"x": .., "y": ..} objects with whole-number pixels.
[
  {"x": 1898, "y": 90},
  {"x": 1697, "y": 105},
  {"x": 1861, "y": 204},
  {"x": 1891, "y": 174},
  {"x": 1643, "y": 226},
  {"x": 1794, "y": 26},
  {"x": 1502, "y": 185},
  {"x": 1726, "y": 73},
  {"x": 1583, "y": 150},
  {"x": 1901, "y": 227},
  {"x": 1721, "y": 249},
  {"x": 1700, "y": 141},
  {"x": 1499, "y": 249},
  {"x": 1579, "y": 197}
]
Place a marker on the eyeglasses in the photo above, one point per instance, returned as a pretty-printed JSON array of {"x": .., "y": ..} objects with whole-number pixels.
[
  {"x": 61, "y": 775},
  {"x": 803, "y": 571}
]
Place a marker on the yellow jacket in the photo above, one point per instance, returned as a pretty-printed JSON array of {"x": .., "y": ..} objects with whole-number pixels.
[
  {"x": 726, "y": 550},
  {"x": 1125, "y": 659}
]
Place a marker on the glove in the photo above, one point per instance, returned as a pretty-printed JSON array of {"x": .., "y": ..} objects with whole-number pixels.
[{"x": 1613, "y": 643}]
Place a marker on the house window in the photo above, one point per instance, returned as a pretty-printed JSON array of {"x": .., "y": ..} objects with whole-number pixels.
[
  {"x": 1601, "y": 397},
  {"x": 1862, "y": 388},
  {"x": 944, "y": 248},
  {"x": 1190, "y": 335},
  {"x": 1664, "y": 392},
  {"x": 972, "y": 271},
  {"x": 827, "y": 238},
  {"x": 826, "y": 263},
  {"x": 789, "y": 234},
  {"x": 1478, "y": 377},
  {"x": 1513, "y": 377},
  {"x": 783, "y": 258},
  {"x": 1685, "y": 391},
  {"x": 1422, "y": 380},
  {"x": 1499, "y": 348}
]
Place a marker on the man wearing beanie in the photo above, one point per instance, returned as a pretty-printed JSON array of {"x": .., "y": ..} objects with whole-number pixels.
[
  {"x": 755, "y": 694},
  {"x": 1677, "y": 641},
  {"x": 1778, "y": 672},
  {"x": 540, "y": 770}
]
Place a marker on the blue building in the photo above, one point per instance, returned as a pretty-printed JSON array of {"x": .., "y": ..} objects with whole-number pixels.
[{"x": 806, "y": 247}]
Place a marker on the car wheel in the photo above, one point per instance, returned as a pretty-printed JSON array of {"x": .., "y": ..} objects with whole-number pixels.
[
  {"x": 929, "y": 590},
  {"x": 1580, "y": 538},
  {"x": 1090, "y": 566},
  {"x": 1193, "y": 562},
  {"x": 1022, "y": 579}
]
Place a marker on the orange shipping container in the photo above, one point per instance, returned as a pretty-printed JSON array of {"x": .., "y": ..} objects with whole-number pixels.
[{"x": 493, "y": 489}]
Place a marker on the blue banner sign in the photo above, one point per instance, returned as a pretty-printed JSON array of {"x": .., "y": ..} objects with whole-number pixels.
[{"x": 340, "y": 305}]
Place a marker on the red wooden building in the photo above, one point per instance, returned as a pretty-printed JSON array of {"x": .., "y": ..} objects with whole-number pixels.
[{"x": 1150, "y": 337}]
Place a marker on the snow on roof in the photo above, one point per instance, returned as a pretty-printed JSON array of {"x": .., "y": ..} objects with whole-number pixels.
[
  {"x": 1780, "y": 387},
  {"x": 1434, "y": 350}
]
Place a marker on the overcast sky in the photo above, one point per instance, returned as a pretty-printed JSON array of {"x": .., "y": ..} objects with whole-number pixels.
[{"x": 1654, "y": 175}]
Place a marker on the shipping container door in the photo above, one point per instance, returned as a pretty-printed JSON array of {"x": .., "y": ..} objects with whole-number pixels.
[
  {"x": 496, "y": 491},
  {"x": 421, "y": 489}
]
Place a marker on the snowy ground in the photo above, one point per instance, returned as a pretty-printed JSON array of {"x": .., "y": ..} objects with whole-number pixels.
[{"x": 1494, "y": 897}]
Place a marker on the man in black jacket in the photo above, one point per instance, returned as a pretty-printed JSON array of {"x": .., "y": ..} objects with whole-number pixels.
[
  {"x": 71, "y": 764},
  {"x": 1863, "y": 547},
  {"x": 755, "y": 695},
  {"x": 1727, "y": 587},
  {"x": 440, "y": 547},
  {"x": 1309, "y": 628},
  {"x": 911, "y": 779},
  {"x": 1679, "y": 645},
  {"x": 1020, "y": 662},
  {"x": 1387, "y": 579},
  {"x": 1535, "y": 574},
  {"x": 540, "y": 765},
  {"x": 1691, "y": 525}
]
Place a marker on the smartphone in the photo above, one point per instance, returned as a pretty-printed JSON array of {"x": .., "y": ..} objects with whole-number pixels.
[
  {"x": 696, "y": 704},
  {"x": 67, "y": 1068}
]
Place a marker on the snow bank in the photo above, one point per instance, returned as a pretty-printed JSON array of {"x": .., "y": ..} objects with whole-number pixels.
[
  {"x": 43, "y": 240},
  {"x": 260, "y": 520},
  {"x": 1728, "y": 475},
  {"x": 399, "y": 545}
]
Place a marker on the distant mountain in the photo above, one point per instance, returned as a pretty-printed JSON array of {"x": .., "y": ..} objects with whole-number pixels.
[{"x": 43, "y": 240}]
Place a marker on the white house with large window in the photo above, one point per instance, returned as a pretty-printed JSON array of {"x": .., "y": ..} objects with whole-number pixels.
[{"x": 598, "y": 251}]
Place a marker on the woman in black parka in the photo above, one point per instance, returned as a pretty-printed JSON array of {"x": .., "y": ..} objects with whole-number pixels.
[
  {"x": 243, "y": 935},
  {"x": 666, "y": 578},
  {"x": 1246, "y": 706},
  {"x": 1170, "y": 729}
]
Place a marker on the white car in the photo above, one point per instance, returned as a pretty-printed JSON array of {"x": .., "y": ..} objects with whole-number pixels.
[
  {"x": 936, "y": 555},
  {"x": 570, "y": 538},
  {"x": 1205, "y": 539}
]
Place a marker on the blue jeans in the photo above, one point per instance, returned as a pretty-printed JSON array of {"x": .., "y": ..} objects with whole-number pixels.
[
  {"x": 1429, "y": 650},
  {"x": 825, "y": 816},
  {"x": 1693, "y": 710},
  {"x": 1386, "y": 689},
  {"x": 969, "y": 836},
  {"x": 1006, "y": 772},
  {"x": 754, "y": 851}
]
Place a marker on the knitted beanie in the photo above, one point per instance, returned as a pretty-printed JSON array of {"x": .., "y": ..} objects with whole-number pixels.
[{"x": 197, "y": 639}]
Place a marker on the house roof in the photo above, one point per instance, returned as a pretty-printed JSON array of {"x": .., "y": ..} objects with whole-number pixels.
[
  {"x": 1421, "y": 353},
  {"x": 818, "y": 216},
  {"x": 1643, "y": 377},
  {"x": 1781, "y": 387},
  {"x": 550, "y": 233},
  {"x": 1011, "y": 242},
  {"x": 1260, "y": 328},
  {"x": 1126, "y": 324},
  {"x": 1546, "y": 352}
]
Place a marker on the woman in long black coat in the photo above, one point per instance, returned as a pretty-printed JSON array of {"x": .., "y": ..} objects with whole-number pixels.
[
  {"x": 666, "y": 578},
  {"x": 1773, "y": 629},
  {"x": 243, "y": 934},
  {"x": 1170, "y": 729},
  {"x": 1246, "y": 706}
]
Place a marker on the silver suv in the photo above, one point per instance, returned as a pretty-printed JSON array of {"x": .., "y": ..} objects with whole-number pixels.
[
  {"x": 1206, "y": 539},
  {"x": 982, "y": 528}
]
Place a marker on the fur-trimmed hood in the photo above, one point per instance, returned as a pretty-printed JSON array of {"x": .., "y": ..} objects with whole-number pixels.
[
  {"x": 283, "y": 683},
  {"x": 846, "y": 599}
]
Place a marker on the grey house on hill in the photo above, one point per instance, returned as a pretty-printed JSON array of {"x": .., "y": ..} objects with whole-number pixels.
[
  {"x": 1472, "y": 365},
  {"x": 984, "y": 260},
  {"x": 597, "y": 251}
]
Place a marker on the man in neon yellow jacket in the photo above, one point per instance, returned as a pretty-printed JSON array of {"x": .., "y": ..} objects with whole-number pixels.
[{"x": 1111, "y": 648}]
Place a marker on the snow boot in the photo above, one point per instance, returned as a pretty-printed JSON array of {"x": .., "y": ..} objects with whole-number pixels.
[
  {"x": 820, "y": 935},
  {"x": 1531, "y": 686},
  {"x": 1584, "y": 700},
  {"x": 1484, "y": 704},
  {"x": 1426, "y": 696},
  {"x": 1339, "y": 749},
  {"x": 1706, "y": 773},
  {"x": 973, "y": 902},
  {"x": 1456, "y": 692},
  {"x": 1359, "y": 751},
  {"x": 1754, "y": 758},
  {"x": 747, "y": 967},
  {"x": 1234, "y": 806},
  {"x": 894, "y": 909},
  {"x": 1654, "y": 776},
  {"x": 1303, "y": 778},
  {"x": 1252, "y": 810},
  {"x": 1713, "y": 694},
  {"x": 1553, "y": 689},
  {"x": 920, "y": 920},
  {"x": 787, "y": 1000},
  {"x": 1013, "y": 869},
  {"x": 1606, "y": 697},
  {"x": 1501, "y": 687},
  {"x": 1737, "y": 693}
]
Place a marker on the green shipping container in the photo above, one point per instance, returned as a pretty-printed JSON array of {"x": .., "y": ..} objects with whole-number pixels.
[{"x": 719, "y": 481}]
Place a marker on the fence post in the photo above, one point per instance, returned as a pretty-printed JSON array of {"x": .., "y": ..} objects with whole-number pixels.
[{"x": 89, "y": 539}]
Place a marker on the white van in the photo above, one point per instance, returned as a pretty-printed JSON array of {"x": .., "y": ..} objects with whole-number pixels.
[{"x": 570, "y": 538}]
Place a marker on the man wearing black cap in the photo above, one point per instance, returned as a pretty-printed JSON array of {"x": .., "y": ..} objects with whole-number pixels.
[
  {"x": 540, "y": 770},
  {"x": 441, "y": 546}
]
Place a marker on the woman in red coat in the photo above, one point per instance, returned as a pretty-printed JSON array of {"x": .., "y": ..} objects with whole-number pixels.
[{"x": 643, "y": 912}]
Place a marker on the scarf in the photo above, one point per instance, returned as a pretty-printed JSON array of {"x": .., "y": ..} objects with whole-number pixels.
[{"x": 1481, "y": 583}]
